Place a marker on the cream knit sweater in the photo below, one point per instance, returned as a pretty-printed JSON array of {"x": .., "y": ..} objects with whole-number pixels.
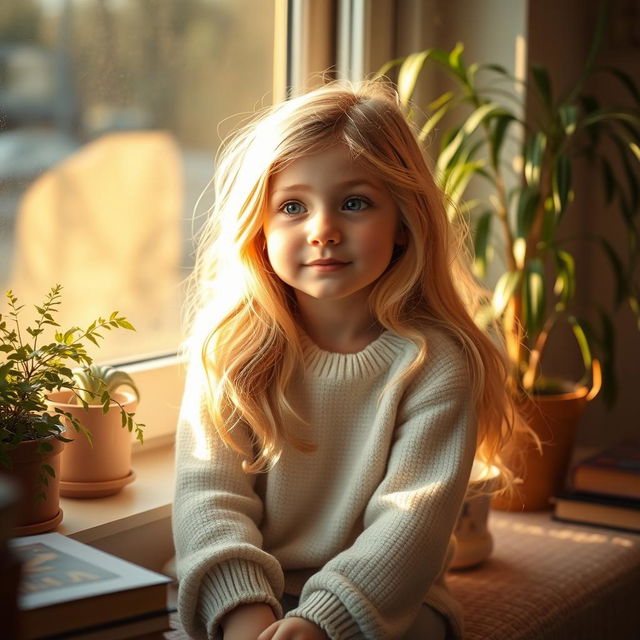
[{"x": 360, "y": 527}]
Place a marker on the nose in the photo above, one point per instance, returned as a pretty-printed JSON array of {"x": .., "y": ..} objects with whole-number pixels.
[{"x": 322, "y": 230}]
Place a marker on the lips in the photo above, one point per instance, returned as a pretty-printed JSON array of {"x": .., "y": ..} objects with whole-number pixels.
[
  {"x": 322, "y": 262},
  {"x": 326, "y": 265}
]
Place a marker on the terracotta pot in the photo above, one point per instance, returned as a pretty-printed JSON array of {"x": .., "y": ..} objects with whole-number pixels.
[
  {"x": 474, "y": 542},
  {"x": 554, "y": 419},
  {"x": 37, "y": 515},
  {"x": 101, "y": 467}
]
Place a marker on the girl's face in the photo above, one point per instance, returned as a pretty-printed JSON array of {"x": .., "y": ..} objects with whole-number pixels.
[{"x": 330, "y": 225}]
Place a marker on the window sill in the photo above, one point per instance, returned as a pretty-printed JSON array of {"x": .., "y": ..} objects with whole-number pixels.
[{"x": 134, "y": 524}]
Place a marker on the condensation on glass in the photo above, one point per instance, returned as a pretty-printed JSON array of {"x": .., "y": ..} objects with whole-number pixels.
[{"x": 111, "y": 112}]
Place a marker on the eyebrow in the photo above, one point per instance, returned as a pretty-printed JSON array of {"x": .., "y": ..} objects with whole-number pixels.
[{"x": 347, "y": 184}]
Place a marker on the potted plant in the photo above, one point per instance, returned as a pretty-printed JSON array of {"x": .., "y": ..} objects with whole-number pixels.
[
  {"x": 480, "y": 121},
  {"x": 31, "y": 432},
  {"x": 99, "y": 465}
]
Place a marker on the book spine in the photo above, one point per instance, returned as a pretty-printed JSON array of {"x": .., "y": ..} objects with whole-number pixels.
[{"x": 610, "y": 482}]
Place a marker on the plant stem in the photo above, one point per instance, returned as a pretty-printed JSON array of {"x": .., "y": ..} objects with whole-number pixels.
[{"x": 529, "y": 376}]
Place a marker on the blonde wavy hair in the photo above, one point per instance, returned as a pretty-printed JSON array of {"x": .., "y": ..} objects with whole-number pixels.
[{"x": 245, "y": 323}]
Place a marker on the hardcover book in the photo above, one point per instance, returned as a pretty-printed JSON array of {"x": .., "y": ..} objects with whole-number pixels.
[
  {"x": 69, "y": 589},
  {"x": 600, "y": 510},
  {"x": 614, "y": 471}
]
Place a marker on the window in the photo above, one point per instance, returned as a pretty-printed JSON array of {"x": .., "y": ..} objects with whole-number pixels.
[{"x": 110, "y": 115}]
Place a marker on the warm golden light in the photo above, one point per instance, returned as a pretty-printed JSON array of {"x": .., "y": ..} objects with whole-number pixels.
[
  {"x": 565, "y": 533},
  {"x": 408, "y": 500}
]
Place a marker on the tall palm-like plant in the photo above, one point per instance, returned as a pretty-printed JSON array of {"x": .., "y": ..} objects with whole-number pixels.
[{"x": 476, "y": 120}]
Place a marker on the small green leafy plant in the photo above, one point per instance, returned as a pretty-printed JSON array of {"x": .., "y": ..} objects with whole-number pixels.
[
  {"x": 529, "y": 197},
  {"x": 29, "y": 370},
  {"x": 97, "y": 383}
]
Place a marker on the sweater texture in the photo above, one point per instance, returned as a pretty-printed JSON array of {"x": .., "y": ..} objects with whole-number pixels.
[{"x": 360, "y": 527}]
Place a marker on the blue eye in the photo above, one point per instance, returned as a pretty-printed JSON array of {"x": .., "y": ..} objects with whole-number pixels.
[
  {"x": 355, "y": 204},
  {"x": 292, "y": 208}
]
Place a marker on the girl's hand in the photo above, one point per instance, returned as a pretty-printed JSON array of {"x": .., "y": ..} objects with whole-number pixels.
[
  {"x": 247, "y": 621},
  {"x": 293, "y": 629}
]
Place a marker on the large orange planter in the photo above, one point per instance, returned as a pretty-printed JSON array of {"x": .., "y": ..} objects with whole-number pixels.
[
  {"x": 101, "y": 467},
  {"x": 554, "y": 419}
]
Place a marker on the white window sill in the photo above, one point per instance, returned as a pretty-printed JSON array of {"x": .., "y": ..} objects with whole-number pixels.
[{"x": 134, "y": 524}]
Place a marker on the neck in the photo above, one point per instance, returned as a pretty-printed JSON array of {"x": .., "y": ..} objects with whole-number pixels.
[{"x": 339, "y": 326}]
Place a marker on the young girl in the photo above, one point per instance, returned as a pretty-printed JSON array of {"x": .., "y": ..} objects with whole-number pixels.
[{"x": 339, "y": 388}]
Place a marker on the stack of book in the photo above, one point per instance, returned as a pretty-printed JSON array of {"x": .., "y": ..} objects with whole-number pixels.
[
  {"x": 604, "y": 489},
  {"x": 71, "y": 590}
]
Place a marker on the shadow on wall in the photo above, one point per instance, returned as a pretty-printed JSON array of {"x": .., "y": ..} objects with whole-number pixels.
[{"x": 105, "y": 223}]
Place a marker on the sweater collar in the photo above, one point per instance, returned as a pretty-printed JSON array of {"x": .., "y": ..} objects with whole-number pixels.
[{"x": 375, "y": 357}]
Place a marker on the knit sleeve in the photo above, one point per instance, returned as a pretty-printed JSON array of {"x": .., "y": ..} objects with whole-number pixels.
[
  {"x": 375, "y": 587},
  {"x": 216, "y": 517}
]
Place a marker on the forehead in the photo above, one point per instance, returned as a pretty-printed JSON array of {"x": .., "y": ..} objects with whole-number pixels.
[{"x": 332, "y": 166}]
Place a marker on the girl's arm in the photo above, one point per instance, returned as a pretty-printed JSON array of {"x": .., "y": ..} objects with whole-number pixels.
[
  {"x": 216, "y": 514},
  {"x": 247, "y": 621},
  {"x": 293, "y": 629},
  {"x": 374, "y": 588}
]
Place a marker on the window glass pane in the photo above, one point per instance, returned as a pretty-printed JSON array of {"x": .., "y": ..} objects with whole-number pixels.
[{"x": 109, "y": 123}]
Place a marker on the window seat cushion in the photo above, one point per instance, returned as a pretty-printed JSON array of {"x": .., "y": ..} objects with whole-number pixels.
[{"x": 552, "y": 580}]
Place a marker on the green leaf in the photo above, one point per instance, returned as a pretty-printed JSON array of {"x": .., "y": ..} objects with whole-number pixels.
[
  {"x": 527, "y": 207},
  {"x": 533, "y": 298},
  {"x": 384, "y": 70},
  {"x": 440, "y": 101},
  {"x": 498, "y": 68},
  {"x": 432, "y": 122},
  {"x": 497, "y": 137},
  {"x": 470, "y": 125},
  {"x": 561, "y": 183},
  {"x": 125, "y": 324},
  {"x": 620, "y": 277},
  {"x": 608, "y": 180},
  {"x": 565, "y": 284},
  {"x": 596, "y": 41},
  {"x": 583, "y": 344},
  {"x": 455, "y": 60},
  {"x": 44, "y": 447},
  {"x": 533, "y": 157},
  {"x": 607, "y": 345},
  {"x": 608, "y": 115},
  {"x": 408, "y": 75},
  {"x": 481, "y": 243},
  {"x": 91, "y": 338},
  {"x": 542, "y": 83},
  {"x": 458, "y": 178},
  {"x": 626, "y": 80},
  {"x": 504, "y": 290},
  {"x": 568, "y": 115},
  {"x": 630, "y": 174}
]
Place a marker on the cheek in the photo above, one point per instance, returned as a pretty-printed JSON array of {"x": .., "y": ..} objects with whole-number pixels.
[
  {"x": 278, "y": 248},
  {"x": 379, "y": 244}
]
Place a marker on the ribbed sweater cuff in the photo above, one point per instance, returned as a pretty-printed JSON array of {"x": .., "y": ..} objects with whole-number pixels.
[
  {"x": 325, "y": 609},
  {"x": 230, "y": 584}
]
